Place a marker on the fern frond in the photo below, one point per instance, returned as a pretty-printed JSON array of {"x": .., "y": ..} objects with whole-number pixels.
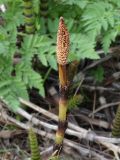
[
  {"x": 30, "y": 77},
  {"x": 10, "y": 91},
  {"x": 7, "y": 45},
  {"x": 35, "y": 154},
  {"x": 80, "y": 3},
  {"x": 115, "y": 2},
  {"x": 107, "y": 39},
  {"x": 82, "y": 47},
  {"x": 36, "y": 45},
  {"x": 13, "y": 15},
  {"x": 97, "y": 16}
]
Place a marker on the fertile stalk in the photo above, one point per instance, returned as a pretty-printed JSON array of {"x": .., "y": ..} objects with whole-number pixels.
[
  {"x": 62, "y": 53},
  {"x": 29, "y": 17}
]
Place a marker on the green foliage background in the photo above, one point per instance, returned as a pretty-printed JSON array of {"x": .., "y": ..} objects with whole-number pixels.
[{"x": 88, "y": 21}]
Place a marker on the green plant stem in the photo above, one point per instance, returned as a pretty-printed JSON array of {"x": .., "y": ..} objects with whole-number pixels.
[
  {"x": 35, "y": 154},
  {"x": 29, "y": 17},
  {"x": 116, "y": 124},
  {"x": 44, "y": 11},
  {"x": 44, "y": 8},
  {"x": 63, "y": 105},
  {"x": 47, "y": 74}
]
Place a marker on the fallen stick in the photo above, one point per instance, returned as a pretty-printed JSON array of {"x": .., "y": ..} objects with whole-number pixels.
[
  {"x": 78, "y": 132},
  {"x": 103, "y": 107},
  {"x": 81, "y": 150},
  {"x": 49, "y": 114}
]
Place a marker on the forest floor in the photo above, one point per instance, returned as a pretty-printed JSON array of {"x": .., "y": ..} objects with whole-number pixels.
[{"x": 90, "y": 122}]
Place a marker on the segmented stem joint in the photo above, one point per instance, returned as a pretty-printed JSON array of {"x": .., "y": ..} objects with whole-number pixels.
[{"x": 29, "y": 17}]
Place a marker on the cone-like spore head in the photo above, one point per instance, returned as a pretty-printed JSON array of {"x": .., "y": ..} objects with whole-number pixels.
[{"x": 62, "y": 43}]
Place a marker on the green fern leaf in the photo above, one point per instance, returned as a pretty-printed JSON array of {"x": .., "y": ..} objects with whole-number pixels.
[
  {"x": 52, "y": 61},
  {"x": 80, "y": 3},
  {"x": 108, "y": 37},
  {"x": 35, "y": 44},
  {"x": 36, "y": 81},
  {"x": 97, "y": 16},
  {"x": 115, "y": 2},
  {"x": 83, "y": 47},
  {"x": 30, "y": 77},
  {"x": 43, "y": 59},
  {"x": 13, "y": 15},
  {"x": 11, "y": 90},
  {"x": 53, "y": 25},
  {"x": 5, "y": 83}
]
